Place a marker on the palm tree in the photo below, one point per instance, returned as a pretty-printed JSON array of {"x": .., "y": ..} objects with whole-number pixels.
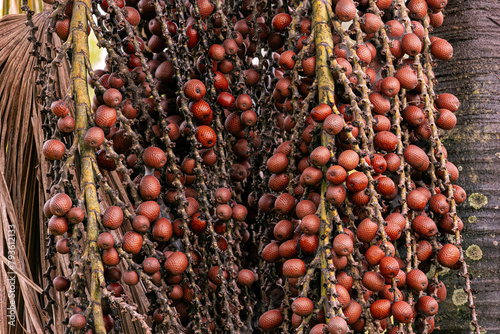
[{"x": 26, "y": 177}]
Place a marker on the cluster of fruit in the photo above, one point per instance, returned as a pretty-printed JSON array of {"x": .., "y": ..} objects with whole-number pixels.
[{"x": 309, "y": 193}]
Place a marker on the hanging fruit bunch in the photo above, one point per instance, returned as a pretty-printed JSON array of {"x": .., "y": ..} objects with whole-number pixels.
[{"x": 250, "y": 166}]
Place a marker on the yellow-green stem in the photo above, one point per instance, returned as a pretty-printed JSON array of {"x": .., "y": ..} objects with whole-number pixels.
[
  {"x": 324, "y": 47},
  {"x": 80, "y": 51}
]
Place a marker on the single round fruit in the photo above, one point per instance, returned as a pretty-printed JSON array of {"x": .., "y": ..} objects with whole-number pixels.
[
  {"x": 132, "y": 242},
  {"x": 60, "y": 204},
  {"x": 402, "y": 312},
  {"x": 77, "y": 322},
  {"x": 113, "y": 217},
  {"x": 302, "y": 306},
  {"x": 449, "y": 255},
  {"x": 53, "y": 149},
  {"x": 294, "y": 268},
  {"x": 270, "y": 320},
  {"x": 154, "y": 157},
  {"x": 176, "y": 263}
]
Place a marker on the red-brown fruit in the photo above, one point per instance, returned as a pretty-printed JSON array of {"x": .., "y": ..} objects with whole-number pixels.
[
  {"x": 413, "y": 115},
  {"x": 424, "y": 226},
  {"x": 370, "y": 23},
  {"x": 310, "y": 224},
  {"x": 277, "y": 163},
  {"x": 321, "y": 112},
  {"x": 381, "y": 105},
  {"x": 105, "y": 117},
  {"x": 407, "y": 77},
  {"x": 366, "y": 230},
  {"x": 130, "y": 277},
  {"x": 439, "y": 289},
  {"x": 439, "y": 204},
  {"x": 304, "y": 208},
  {"x": 386, "y": 141},
  {"x": 59, "y": 108},
  {"x": 151, "y": 265},
  {"x": 441, "y": 49},
  {"x": 449, "y": 255},
  {"x": 149, "y": 187},
  {"x": 62, "y": 28},
  {"x": 424, "y": 250},
  {"x": 77, "y": 322},
  {"x": 427, "y": 305},
  {"x": 216, "y": 52},
  {"x": 380, "y": 309},
  {"x": 337, "y": 325},
  {"x": 66, "y": 124},
  {"x": 417, "y": 8},
  {"x": 202, "y": 112},
  {"x": 270, "y": 320},
  {"x": 112, "y": 97},
  {"x": 162, "y": 230},
  {"x": 283, "y": 230},
  {"x": 62, "y": 246},
  {"x": 286, "y": 60},
  {"x": 386, "y": 186},
  {"x": 389, "y": 267},
  {"x": 281, "y": 21},
  {"x": 352, "y": 312},
  {"x": 416, "y": 280},
  {"x": 131, "y": 15},
  {"x": 411, "y": 44},
  {"x": 53, "y": 149},
  {"x": 459, "y": 194},
  {"x": 402, "y": 312},
  {"x": 343, "y": 245},
  {"x": 176, "y": 263},
  {"x": 417, "y": 158},
  {"x": 373, "y": 281},
  {"x": 374, "y": 255},
  {"x": 320, "y": 156},
  {"x": 246, "y": 277},
  {"x": 60, "y": 204},
  {"x": 446, "y": 120},
  {"x": 294, "y": 268},
  {"x": 61, "y": 283},
  {"x": 105, "y": 241},
  {"x": 194, "y": 89},
  {"x": 308, "y": 243},
  {"x": 345, "y": 10},
  {"x": 154, "y": 157},
  {"x": 113, "y": 217},
  {"x": 149, "y": 209},
  {"x": 348, "y": 159},
  {"x": 416, "y": 200},
  {"x": 110, "y": 257},
  {"x": 94, "y": 137},
  {"x": 390, "y": 86},
  {"x": 58, "y": 225},
  {"x": 132, "y": 242},
  {"x": 336, "y": 174},
  {"x": 333, "y": 124},
  {"x": 206, "y": 136},
  {"x": 284, "y": 204},
  {"x": 302, "y": 306},
  {"x": 447, "y": 101}
]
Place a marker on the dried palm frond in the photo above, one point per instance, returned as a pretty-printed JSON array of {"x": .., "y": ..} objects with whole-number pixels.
[{"x": 22, "y": 174}]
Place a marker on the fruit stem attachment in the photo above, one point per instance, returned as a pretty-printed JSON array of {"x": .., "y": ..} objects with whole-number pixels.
[{"x": 80, "y": 51}]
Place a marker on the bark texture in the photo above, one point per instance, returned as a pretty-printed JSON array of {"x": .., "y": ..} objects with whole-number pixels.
[{"x": 473, "y": 75}]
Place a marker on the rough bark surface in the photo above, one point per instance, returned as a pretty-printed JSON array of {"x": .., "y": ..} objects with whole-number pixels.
[{"x": 473, "y": 75}]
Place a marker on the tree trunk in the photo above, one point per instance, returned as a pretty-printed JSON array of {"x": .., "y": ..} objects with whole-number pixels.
[{"x": 473, "y": 28}]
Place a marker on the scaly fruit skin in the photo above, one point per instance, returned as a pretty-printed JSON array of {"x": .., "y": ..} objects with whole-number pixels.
[
  {"x": 60, "y": 204},
  {"x": 176, "y": 263},
  {"x": 270, "y": 320},
  {"x": 53, "y": 149},
  {"x": 154, "y": 157},
  {"x": 113, "y": 217},
  {"x": 132, "y": 242},
  {"x": 281, "y": 21}
]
